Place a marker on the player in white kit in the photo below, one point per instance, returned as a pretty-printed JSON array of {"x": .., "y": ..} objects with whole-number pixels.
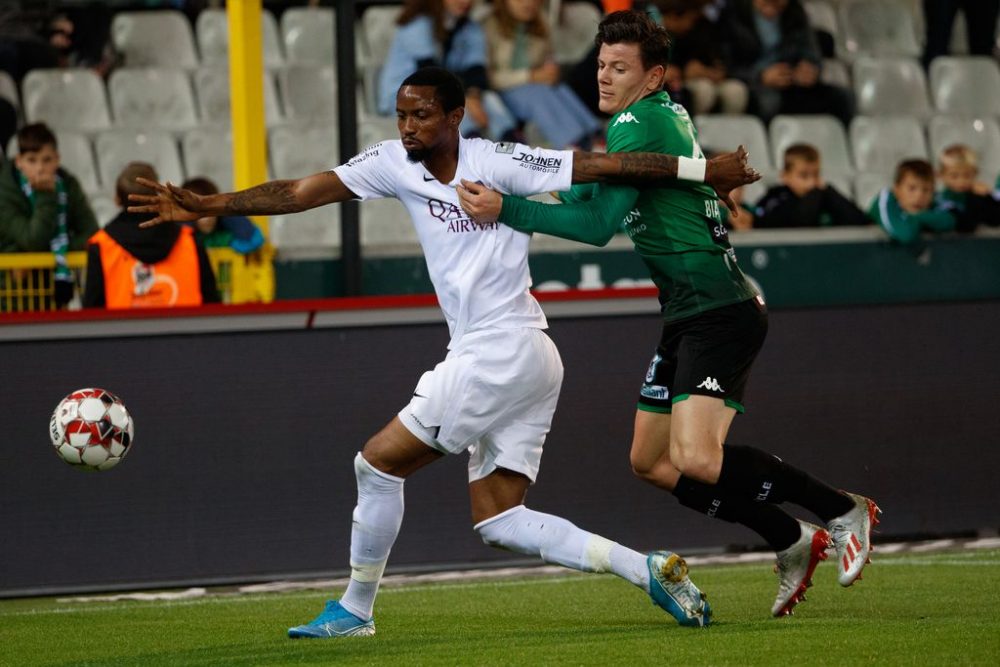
[{"x": 496, "y": 390}]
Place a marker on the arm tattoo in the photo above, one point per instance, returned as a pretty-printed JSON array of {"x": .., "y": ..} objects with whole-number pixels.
[
  {"x": 631, "y": 168},
  {"x": 271, "y": 198}
]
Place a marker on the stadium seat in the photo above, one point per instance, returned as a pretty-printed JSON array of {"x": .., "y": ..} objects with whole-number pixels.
[
  {"x": 883, "y": 28},
  {"x": 212, "y": 32},
  {"x": 315, "y": 229},
  {"x": 893, "y": 86},
  {"x": 385, "y": 222},
  {"x": 307, "y": 33},
  {"x": 573, "y": 34},
  {"x": 836, "y": 73},
  {"x": 77, "y": 155},
  {"x": 842, "y": 182},
  {"x": 66, "y": 99},
  {"x": 824, "y": 132},
  {"x": 879, "y": 143},
  {"x": 208, "y": 152},
  {"x": 375, "y": 129},
  {"x": 104, "y": 207},
  {"x": 161, "y": 38},
  {"x": 378, "y": 26},
  {"x": 981, "y": 134},
  {"x": 966, "y": 85},
  {"x": 301, "y": 150},
  {"x": 726, "y": 132},
  {"x": 822, "y": 16},
  {"x": 309, "y": 92},
  {"x": 119, "y": 146},
  {"x": 867, "y": 185},
  {"x": 152, "y": 97},
  {"x": 212, "y": 87},
  {"x": 8, "y": 90}
]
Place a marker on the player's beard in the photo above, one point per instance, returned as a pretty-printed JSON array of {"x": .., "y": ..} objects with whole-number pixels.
[{"x": 417, "y": 155}]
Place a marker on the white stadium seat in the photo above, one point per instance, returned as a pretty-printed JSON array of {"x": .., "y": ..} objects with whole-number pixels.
[
  {"x": 867, "y": 186},
  {"x": 307, "y": 33},
  {"x": 726, "y": 132},
  {"x": 77, "y": 156},
  {"x": 836, "y": 73},
  {"x": 152, "y": 98},
  {"x": 117, "y": 147},
  {"x": 883, "y": 28},
  {"x": 314, "y": 229},
  {"x": 212, "y": 32},
  {"x": 8, "y": 90},
  {"x": 378, "y": 27},
  {"x": 879, "y": 143},
  {"x": 104, "y": 207},
  {"x": 211, "y": 85},
  {"x": 980, "y": 134},
  {"x": 161, "y": 38},
  {"x": 824, "y": 132},
  {"x": 385, "y": 222},
  {"x": 208, "y": 152},
  {"x": 66, "y": 99},
  {"x": 967, "y": 85},
  {"x": 376, "y": 129},
  {"x": 309, "y": 92},
  {"x": 822, "y": 16},
  {"x": 301, "y": 150},
  {"x": 573, "y": 34},
  {"x": 890, "y": 86}
]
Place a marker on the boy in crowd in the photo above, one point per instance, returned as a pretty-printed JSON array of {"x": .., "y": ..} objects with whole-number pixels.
[
  {"x": 907, "y": 208},
  {"x": 42, "y": 206},
  {"x": 804, "y": 199},
  {"x": 972, "y": 202},
  {"x": 232, "y": 231}
]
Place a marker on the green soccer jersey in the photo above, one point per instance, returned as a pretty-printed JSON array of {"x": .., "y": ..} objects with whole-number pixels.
[{"x": 677, "y": 228}]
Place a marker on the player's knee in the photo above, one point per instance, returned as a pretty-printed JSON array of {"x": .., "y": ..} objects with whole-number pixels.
[{"x": 697, "y": 460}]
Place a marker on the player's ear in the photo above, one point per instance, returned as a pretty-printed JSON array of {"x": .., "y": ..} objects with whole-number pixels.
[{"x": 455, "y": 116}]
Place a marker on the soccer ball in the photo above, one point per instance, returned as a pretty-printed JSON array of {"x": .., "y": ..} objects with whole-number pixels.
[{"x": 91, "y": 429}]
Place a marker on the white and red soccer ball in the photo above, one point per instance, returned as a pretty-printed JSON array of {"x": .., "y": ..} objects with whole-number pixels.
[{"x": 91, "y": 429}]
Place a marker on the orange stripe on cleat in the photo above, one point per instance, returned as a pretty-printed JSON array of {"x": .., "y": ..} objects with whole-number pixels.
[
  {"x": 847, "y": 563},
  {"x": 855, "y": 542}
]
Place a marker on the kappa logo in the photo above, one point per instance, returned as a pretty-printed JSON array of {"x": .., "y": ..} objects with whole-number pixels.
[
  {"x": 711, "y": 384},
  {"x": 627, "y": 117}
]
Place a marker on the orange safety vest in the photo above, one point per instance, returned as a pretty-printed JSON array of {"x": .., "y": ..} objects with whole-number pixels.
[{"x": 129, "y": 283}]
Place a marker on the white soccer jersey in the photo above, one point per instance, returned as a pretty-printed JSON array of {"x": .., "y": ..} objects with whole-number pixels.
[{"x": 479, "y": 271}]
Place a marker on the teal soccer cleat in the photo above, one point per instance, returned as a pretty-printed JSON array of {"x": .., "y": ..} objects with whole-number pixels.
[
  {"x": 333, "y": 621},
  {"x": 673, "y": 591}
]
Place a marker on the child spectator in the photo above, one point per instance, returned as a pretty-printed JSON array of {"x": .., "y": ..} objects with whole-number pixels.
[
  {"x": 970, "y": 201},
  {"x": 233, "y": 231},
  {"x": 804, "y": 199},
  {"x": 523, "y": 70},
  {"x": 771, "y": 47},
  {"x": 440, "y": 32},
  {"x": 907, "y": 208},
  {"x": 696, "y": 60},
  {"x": 42, "y": 206},
  {"x": 129, "y": 267}
]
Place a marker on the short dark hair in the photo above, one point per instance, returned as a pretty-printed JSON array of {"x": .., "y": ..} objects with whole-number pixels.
[
  {"x": 201, "y": 186},
  {"x": 921, "y": 169},
  {"x": 803, "y": 152},
  {"x": 448, "y": 88},
  {"x": 35, "y": 137},
  {"x": 125, "y": 184},
  {"x": 632, "y": 27}
]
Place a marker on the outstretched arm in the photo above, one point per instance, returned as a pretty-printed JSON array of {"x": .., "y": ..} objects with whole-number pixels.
[
  {"x": 272, "y": 198},
  {"x": 724, "y": 173}
]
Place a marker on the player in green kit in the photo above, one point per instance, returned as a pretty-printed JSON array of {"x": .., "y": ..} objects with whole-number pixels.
[{"x": 715, "y": 322}]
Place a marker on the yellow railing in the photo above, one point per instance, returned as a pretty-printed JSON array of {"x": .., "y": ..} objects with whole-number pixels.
[{"x": 26, "y": 279}]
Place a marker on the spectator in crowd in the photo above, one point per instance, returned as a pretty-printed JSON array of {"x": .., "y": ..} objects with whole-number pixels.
[
  {"x": 907, "y": 208},
  {"x": 523, "y": 70},
  {"x": 42, "y": 206},
  {"x": 804, "y": 199},
  {"x": 34, "y": 36},
  {"x": 440, "y": 32},
  {"x": 696, "y": 60},
  {"x": 770, "y": 45},
  {"x": 129, "y": 267},
  {"x": 980, "y": 26},
  {"x": 231, "y": 231},
  {"x": 8, "y": 124},
  {"x": 971, "y": 201}
]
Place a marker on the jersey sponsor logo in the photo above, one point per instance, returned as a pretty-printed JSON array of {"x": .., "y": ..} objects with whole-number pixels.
[
  {"x": 456, "y": 219},
  {"x": 654, "y": 391},
  {"x": 371, "y": 151},
  {"x": 627, "y": 117},
  {"x": 676, "y": 108},
  {"x": 550, "y": 165},
  {"x": 633, "y": 224},
  {"x": 651, "y": 371},
  {"x": 504, "y": 147},
  {"x": 711, "y": 384},
  {"x": 765, "y": 491}
]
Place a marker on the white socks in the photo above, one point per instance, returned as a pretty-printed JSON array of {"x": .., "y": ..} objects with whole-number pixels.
[
  {"x": 556, "y": 540},
  {"x": 377, "y": 518}
]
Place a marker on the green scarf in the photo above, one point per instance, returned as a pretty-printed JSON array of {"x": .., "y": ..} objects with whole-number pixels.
[
  {"x": 60, "y": 242},
  {"x": 519, "y": 56}
]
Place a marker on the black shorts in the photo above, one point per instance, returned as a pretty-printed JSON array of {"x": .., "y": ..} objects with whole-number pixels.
[{"x": 709, "y": 354}]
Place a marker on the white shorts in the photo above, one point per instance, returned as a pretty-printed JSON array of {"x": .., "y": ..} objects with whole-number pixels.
[{"x": 494, "y": 395}]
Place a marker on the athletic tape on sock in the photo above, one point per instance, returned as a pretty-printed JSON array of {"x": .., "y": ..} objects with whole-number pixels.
[
  {"x": 367, "y": 572},
  {"x": 598, "y": 554},
  {"x": 691, "y": 169}
]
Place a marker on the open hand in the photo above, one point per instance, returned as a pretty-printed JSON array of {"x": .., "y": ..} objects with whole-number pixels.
[
  {"x": 726, "y": 172},
  {"x": 481, "y": 203},
  {"x": 169, "y": 203}
]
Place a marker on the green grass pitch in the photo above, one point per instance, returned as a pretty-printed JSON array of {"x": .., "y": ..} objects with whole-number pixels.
[{"x": 920, "y": 609}]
